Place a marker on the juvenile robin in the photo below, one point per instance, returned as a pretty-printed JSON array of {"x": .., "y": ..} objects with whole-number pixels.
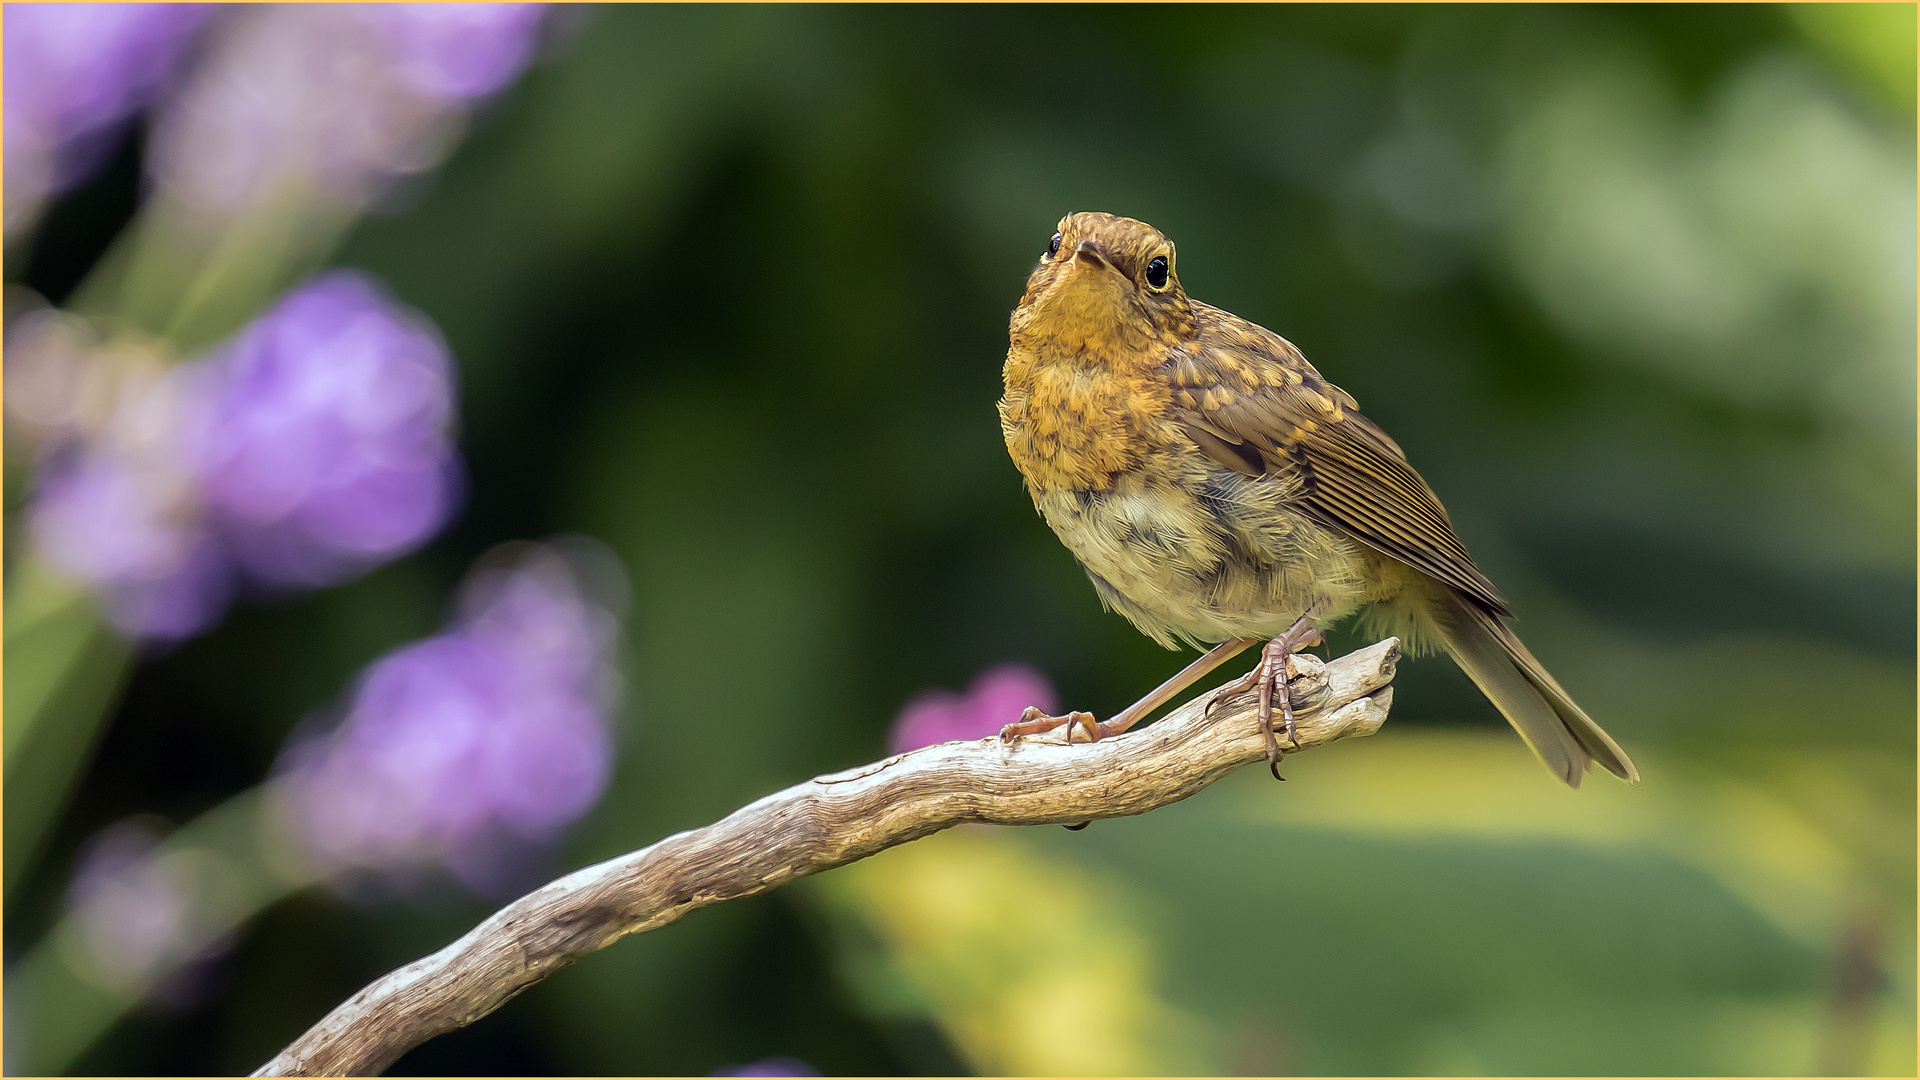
[{"x": 1217, "y": 489}]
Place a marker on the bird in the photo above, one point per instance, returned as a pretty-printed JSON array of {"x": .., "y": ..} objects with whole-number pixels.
[{"x": 1218, "y": 490}]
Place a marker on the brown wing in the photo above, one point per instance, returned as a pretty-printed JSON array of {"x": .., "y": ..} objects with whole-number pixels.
[{"x": 1252, "y": 403}]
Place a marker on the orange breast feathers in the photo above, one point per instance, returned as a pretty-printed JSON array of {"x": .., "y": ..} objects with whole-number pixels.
[{"x": 1080, "y": 421}]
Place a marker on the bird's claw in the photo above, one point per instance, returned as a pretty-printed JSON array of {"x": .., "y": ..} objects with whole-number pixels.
[
  {"x": 1270, "y": 676},
  {"x": 1036, "y": 720}
]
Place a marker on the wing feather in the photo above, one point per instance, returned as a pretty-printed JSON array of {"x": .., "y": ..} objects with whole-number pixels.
[{"x": 1255, "y": 392}]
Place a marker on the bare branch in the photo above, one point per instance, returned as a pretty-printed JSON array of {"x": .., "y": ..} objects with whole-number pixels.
[{"x": 820, "y": 824}]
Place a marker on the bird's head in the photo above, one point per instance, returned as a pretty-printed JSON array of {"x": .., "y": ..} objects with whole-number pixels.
[{"x": 1104, "y": 283}]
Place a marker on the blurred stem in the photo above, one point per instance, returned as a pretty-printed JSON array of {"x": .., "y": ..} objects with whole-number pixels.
[
  {"x": 254, "y": 259},
  {"x": 232, "y": 863},
  {"x": 194, "y": 279},
  {"x": 65, "y": 667}
]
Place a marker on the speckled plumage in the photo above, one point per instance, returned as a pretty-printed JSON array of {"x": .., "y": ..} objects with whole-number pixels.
[{"x": 1215, "y": 486}]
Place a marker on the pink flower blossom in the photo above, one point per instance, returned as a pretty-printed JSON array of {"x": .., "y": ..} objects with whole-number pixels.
[{"x": 997, "y": 698}]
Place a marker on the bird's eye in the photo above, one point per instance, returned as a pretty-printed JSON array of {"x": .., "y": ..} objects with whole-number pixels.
[
  {"x": 1053, "y": 246},
  {"x": 1157, "y": 272}
]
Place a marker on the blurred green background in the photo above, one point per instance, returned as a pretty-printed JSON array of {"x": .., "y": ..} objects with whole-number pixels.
[{"x": 728, "y": 286}]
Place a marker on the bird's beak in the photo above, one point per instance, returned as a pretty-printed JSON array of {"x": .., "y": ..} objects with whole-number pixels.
[{"x": 1090, "y": 255}]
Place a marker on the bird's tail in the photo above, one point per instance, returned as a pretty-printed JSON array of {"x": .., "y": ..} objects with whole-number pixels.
[{"x": 1544, "y": 715}]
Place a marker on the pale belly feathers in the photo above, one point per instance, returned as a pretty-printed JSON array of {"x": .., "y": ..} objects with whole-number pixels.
[{"x": 1208, "y": 556}]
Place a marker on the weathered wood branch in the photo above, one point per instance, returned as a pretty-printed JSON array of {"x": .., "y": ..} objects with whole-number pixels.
[{"x": 820, "y": 824}]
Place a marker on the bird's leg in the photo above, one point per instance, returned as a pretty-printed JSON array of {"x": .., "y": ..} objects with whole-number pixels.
[
  {"x": 1034, "y": 721},
  {"x": 1188, "y": 675},
  {"x": 1270, "y": 675}
]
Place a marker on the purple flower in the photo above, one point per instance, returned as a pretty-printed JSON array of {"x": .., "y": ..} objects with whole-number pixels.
[
  {"x": 455, "y": 52},
  {"x": 148, "y": 917},
  {"x": 73, "y": 73},
  {"x": 472, "y": 746},
  {"x": 130, "y": 908},
  {"x": 323, "y": 104},
  {"x": 773, "y": 1066},
  {"x": 110, "y": 525},
  {"x": 117, "y": 504},
  {"x": 996, "y": 698},
  {"x": 327, "y": 447},
  {"x": 314, "y": 447}
]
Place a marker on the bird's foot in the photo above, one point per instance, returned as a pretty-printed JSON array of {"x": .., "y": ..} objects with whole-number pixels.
[
  {"x": 1035, "y": 721},
  {"x": 1270, "y": 676}
]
